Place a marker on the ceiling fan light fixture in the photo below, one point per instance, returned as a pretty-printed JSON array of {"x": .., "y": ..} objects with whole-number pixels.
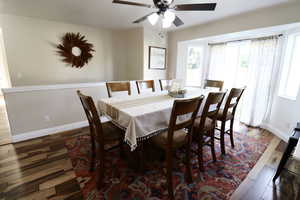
[
  {"x": 166, "y": 23},
  {"x": 169, "y": 16},
  {"x": 153, "y": 18}
]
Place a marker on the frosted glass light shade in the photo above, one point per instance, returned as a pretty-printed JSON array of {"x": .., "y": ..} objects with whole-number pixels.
[
  {"x": 169, "y": 16},
  {"x": 166, "y": 23},
  {"x": 153, "y": 18}
]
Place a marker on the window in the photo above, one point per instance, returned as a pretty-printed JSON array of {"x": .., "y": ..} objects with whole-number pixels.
[
  {"x": 290, "y": 81},
  {"x": 193, "y": 69},
  {"x": 4, "y": 75}
]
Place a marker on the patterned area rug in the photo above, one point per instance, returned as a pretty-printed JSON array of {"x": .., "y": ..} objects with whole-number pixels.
[{"x": 219, "y": 180}]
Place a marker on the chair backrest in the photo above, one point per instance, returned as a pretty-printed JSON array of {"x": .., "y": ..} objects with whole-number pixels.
[
  {"x": 90, "y": 110},
  {"x": 188, "y": 107},
  {"x": 214, "y": 84},
  {"x": 142, "y": 85},
  {"x": 232, "y": 101},
  {"x": 211, "y": 108},
  {"x": 165, "y": 84},
  {"x": 117, "y": 87}
]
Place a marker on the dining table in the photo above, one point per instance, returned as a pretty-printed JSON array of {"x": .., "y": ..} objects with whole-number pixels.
[{"x": 143, "y": 116}]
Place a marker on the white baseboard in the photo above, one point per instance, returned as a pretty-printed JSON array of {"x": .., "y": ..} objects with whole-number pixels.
[
  {"x": 49, "y": 131},
  {"x": 281, "y": 134}
]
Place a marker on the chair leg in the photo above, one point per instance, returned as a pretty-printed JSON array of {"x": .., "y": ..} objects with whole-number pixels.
[
  {"x": 100, "y": 170},
  {"x": 122, "y": 152},
  {"x": 92, "y": 164},
  {"x": 200, "y": 153},
  {"x": 222, "y": 141},
  {"x": 212, "y": 145},
  {"x": 188, "y": 160},
  {"x": 231, "y": 133},
  {"x": 140, "y": 151},
  {"x": 169, "y": 174}
]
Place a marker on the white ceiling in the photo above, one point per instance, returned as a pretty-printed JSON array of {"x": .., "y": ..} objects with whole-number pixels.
[{"x": 102, "y": 13}]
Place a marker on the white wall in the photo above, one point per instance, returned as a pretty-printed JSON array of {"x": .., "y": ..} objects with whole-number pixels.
[
  {"x": 285, "y": 113},
  {"x": 266, "y": 17},
  {"x": 32, "y": 58},
  {"x": 153, "y": 38},
  {"x": 40, "y": 110}
]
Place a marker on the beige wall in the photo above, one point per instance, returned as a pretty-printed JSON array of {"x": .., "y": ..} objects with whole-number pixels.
[
  {"x": 152, "y": 38},
  {"x": 32, "y": 58},
  {"x": 135, "y": 54},
  {"x": 131, "y": 53},
  {"x": 128, "y": 54},
  {"x": 277, "y": 15}
]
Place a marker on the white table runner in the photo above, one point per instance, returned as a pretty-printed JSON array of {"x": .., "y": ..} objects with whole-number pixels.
[{"x": 142, "y": 116}]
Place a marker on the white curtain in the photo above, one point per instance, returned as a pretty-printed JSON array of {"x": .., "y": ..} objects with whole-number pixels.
[
  {"x": 225, "y": 64},
  {"x": 261, "y": 72},
  {"x": 252, "y": 64}
]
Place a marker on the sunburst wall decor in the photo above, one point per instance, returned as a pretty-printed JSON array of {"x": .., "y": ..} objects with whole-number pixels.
[{"x": 75, "y": 50}]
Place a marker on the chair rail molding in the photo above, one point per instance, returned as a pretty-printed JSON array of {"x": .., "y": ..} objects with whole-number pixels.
[{"x": 51, "y": 87}]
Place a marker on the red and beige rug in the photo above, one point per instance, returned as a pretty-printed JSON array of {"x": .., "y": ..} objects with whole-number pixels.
[{"x": 219, "y": 180}]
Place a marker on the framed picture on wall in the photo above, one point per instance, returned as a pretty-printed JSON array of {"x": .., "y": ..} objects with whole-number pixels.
[{"x": 157, "y": 58}]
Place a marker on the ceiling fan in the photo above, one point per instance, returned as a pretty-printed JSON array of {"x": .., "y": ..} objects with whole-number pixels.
[{"x": 165, "y": 9}]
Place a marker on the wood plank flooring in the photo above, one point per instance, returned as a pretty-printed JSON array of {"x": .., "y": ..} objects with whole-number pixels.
[
  {"x": 40, "y": 169},
  {"x": 259, "y": 184}
]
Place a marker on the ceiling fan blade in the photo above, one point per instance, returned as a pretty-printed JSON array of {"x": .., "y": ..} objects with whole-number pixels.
[
  {"x": 196, "y": 7},
  {"x": 177, "y": 22},
  {"x": 142, "y": 18},
  {"x": 132, "y": 3}
]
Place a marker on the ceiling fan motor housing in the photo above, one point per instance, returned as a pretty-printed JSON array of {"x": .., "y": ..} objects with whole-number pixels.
[{"x": 162, "y": 5}]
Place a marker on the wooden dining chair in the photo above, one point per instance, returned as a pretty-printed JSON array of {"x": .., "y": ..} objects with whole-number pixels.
[
  {"x": 165, "y": 84},
  {"x": 178, "y": 135},
  {"x": 117, "y": 87},
  {"x": 143, "y": 85},
  {"x": 228, "y": 113},
  {"x": 101, "y": 133},
  {"x": 204, "y": 127},
  {"x": 214, "y": 84}
]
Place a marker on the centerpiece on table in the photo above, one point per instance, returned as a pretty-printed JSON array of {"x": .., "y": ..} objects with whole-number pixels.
[{"x": 177, "y": 89}]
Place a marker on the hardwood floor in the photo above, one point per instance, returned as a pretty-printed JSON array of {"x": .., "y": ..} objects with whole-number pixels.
[
  {"x": 40, "y": 169},
  {"x": 259, "y": 184},
  {"x": 4, "y": 125}
]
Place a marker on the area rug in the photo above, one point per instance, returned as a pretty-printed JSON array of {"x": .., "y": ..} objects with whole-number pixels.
[{"x": 219, "y": 180}]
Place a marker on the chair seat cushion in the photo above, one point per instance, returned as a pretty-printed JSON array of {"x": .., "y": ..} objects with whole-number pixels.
[
  {"x": 179, "y": 139},
  {"x": 111, "y": 131},
  {"x": 207, "y": 126},
  {"x": 220, "y": 115}
]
